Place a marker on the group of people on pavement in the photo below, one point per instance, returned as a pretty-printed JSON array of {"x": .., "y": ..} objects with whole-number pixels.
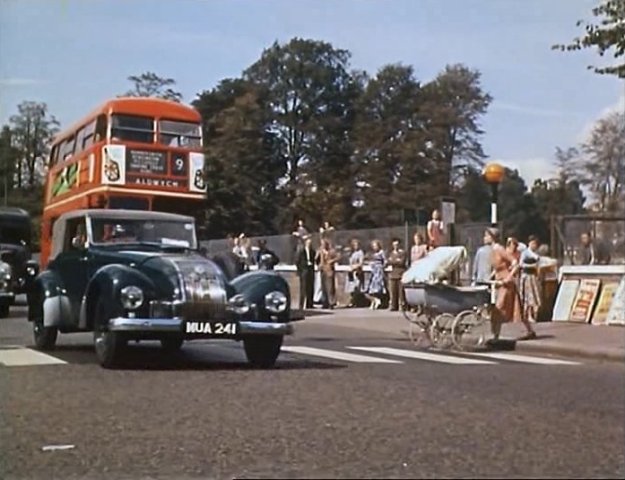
[
  {"x": 248, "y": 255},
  {"x": 516, "y": 268},
  {"x": 379, "y": 285},
  {"x": 513, "y": 265}
]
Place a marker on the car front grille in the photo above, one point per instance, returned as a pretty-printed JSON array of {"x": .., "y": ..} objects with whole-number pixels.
[
  {"x": 203, "y": 293},
  {"x": 204, "y": 298}
]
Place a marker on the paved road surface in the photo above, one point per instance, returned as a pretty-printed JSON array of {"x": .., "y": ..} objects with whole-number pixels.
[{"x": 342, "y": 403}]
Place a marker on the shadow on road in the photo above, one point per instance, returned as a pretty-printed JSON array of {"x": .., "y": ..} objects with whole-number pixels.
[
  {"x": 313, "y": 313},
  {"x": 511, "y": 344},
  {"x": 150, "y": 357}
]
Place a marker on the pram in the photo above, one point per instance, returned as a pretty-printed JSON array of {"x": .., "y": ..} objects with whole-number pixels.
[{"x": 444, "y": 315}]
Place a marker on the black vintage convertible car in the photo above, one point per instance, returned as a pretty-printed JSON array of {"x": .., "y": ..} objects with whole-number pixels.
[{"x": 136, "y": 275}]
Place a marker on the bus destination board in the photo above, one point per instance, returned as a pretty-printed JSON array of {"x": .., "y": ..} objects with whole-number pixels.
[{"x": 142, "y": 161}]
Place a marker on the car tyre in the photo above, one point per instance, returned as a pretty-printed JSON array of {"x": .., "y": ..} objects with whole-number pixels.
[
  {"x": 171, "y": 345},
  {"x": 44, "y": 337},
  {"x": 262, "y": 351},
  {"x": 4, "y": 309},
  {"x": 108, "y": 345}
]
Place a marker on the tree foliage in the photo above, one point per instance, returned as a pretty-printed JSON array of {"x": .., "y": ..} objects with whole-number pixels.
[
  {"x": 606, "y": 35},
  {"x": 602, "y": 164},
  {"x": 9, "y": 157},
  {"x": 473, "y": 198},
  {"x": 149, "y": 84},
  {"x": 32, "y": 130},
  {"x": 310, "y": 94},
  {"x": 392, "y": 170},
  {"x": 522, "y": 212},
  {"x": 453, "y": 105},
  {"x": 243, "y": 168},
  {"x": 348, "y": 148}
]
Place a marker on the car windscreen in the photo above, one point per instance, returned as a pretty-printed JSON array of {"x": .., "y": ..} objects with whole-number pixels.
[
  {"x": 166, "y": 233},
  {"x": 15, "y": 233}
]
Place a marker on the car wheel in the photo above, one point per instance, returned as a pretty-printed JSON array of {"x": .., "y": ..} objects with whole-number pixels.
[
  {"x": 4, "y": 309},
  {"x": 262, "y": 351},
  {"x": 45, "y": 337},
  {"x": 171, "y": 345},
  {"x": 108, "y": 345}
]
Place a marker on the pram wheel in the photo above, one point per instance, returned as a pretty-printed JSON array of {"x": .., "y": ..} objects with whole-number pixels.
[
  {"x": 470, "y": 330},
  {"x": 420, "y": 335},
  {"x": 417, "y": 315},
  {"x": 419, "y": 330},
  {"x": 440, "y": 330}
]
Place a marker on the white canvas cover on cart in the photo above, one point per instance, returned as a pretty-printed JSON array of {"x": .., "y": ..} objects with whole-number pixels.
[{"x": 436, "y": 265}]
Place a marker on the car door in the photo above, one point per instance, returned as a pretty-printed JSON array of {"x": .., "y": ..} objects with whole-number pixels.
[{"x": 73, "y": 265}]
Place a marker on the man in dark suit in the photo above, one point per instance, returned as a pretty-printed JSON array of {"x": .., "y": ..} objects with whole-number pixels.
[
  {"x": 306, "y": 272},
  {"x": 397, "y": 261}
]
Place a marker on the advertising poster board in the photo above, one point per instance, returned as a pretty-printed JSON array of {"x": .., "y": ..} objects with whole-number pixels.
[
  {"x": 600, "y": 317},
  {"x": 564, "y": 300},
  {"x": 616, "y": 315},
  {"x": 585, "y": 300}
]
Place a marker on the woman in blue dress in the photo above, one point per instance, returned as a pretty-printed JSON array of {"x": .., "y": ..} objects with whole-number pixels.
[{"x": 377, "y": 284}]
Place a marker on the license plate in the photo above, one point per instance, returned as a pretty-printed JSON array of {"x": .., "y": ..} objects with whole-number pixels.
[{"x": 211, "y": 328}]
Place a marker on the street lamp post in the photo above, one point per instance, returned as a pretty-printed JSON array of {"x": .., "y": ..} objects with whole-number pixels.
[{"x": 493, "y": 174}]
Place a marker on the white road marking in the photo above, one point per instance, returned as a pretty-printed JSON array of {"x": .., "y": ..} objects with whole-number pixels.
[
  {"x": 19, "y": 357},
  {"x": 348, "y": 357},
  {"x": 52, "y": 448},
  {"x": 432, "y": 357},
  {"x": 523, "y": 358}
]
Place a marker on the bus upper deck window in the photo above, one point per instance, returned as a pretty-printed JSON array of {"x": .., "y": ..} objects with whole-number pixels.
[
  {"x": 180, "y": 134},
  {"x": 132, "y": 128}
]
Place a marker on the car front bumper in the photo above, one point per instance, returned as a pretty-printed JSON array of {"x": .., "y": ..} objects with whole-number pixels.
[
  {"x": 4, "y": 296},
  {"x": 175, "y": 325}
]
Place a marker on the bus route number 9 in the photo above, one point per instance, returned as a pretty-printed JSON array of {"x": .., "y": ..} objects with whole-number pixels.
[{"x": 179, "y": 165}]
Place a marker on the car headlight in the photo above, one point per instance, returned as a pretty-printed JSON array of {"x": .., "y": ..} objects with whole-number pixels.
[
  {"x": 238, "y": 304},
  {"x": 276, "y": 302},
  {"x": 131, "y": 297},
  {"x": 31, "y": 271}
]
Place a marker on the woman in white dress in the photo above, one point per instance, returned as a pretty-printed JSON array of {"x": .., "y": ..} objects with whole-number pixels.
[
  {"x": 356, "y": 275},
  {"x": 530, "y": 285}
]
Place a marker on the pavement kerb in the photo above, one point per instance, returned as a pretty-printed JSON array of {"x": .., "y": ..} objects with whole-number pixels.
[
  {"x": 571, "y": 351},
  {"x": 530, "y": 346},
  {"x": 534, "y": 347}
]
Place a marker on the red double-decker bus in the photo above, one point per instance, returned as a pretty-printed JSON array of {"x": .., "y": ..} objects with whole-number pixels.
[{"x": 132, "y": 153}]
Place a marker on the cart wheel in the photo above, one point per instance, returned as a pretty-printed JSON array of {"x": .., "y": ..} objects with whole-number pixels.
[
  {"x": 419, "y": 334},
  {"x": 440, "y": 330},
  {"x": 470, "y": 330}
]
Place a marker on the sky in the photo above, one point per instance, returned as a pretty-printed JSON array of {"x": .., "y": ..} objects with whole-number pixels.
[{"x": 74, "y": 54}]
